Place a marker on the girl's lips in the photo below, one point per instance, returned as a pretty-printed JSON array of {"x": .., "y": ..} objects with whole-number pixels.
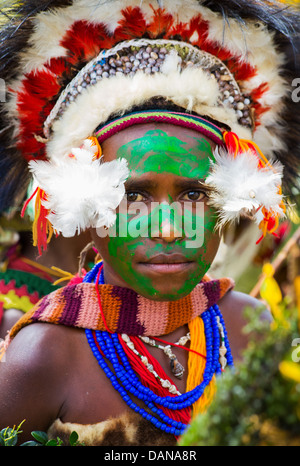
[
  {"x": 166, "y": 267},
  {"x": 161, "y": 258}
]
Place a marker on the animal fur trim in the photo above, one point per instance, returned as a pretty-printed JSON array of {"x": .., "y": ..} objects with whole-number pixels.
[{"x": 129, "y": 429}]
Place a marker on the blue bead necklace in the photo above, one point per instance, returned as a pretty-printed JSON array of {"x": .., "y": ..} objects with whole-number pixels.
[{"x": 106, "y": 346}]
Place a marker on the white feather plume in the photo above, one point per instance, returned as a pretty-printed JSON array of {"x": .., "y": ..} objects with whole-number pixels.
[
  {"x": 241, "y": 188},
  {"x": 81, "y": 192}
]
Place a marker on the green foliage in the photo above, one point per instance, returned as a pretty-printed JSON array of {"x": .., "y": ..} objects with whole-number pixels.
[
  {"x": 255, "y": 404},
  {"x": 9, "y": 438},
  {"x": 41, "y": 439}
]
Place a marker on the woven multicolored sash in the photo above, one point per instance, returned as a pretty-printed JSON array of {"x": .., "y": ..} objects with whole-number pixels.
[{"x": 124, "y": 310}]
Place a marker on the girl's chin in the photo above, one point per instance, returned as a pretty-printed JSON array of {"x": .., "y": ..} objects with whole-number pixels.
[{"x": 167, "y": 293}]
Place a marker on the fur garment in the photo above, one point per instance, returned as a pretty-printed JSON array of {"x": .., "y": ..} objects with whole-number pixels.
[{"x": 130, "y": 429}]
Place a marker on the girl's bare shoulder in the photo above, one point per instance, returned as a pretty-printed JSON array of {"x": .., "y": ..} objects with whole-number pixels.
[{"x": 233, "y": 306}]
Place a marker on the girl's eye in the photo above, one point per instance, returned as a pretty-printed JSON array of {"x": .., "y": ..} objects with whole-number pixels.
[
  {"x": 194, "y": 196},
  {"x": 134, "y": 197}
]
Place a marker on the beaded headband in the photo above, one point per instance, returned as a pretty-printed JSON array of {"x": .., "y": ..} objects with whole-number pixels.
[{"x": 174, "y": 118}]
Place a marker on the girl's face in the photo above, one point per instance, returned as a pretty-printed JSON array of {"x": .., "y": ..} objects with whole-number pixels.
[{"x": 163, "y": 241}]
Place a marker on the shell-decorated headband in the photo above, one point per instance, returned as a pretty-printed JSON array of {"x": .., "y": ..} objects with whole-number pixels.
[{"x": 90, "y": 65}]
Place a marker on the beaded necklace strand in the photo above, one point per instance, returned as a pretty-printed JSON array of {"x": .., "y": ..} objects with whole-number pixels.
[
  {"x": 176, "y": 368},
  {"x": 164, "y": 382},
  {"x": 107, "y": 346}
]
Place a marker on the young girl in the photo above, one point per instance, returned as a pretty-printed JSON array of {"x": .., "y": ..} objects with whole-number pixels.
[{"x": 151, "y": 124}]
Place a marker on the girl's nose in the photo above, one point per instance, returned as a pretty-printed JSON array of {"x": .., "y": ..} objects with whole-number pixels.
[{"x": 166, "y": 223}]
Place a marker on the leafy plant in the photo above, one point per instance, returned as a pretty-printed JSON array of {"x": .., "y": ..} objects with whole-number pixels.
[
  {"x": 9, "y": 438},
  {"x": 41, "y": 439},
  {"x": 259, "y": 403}
]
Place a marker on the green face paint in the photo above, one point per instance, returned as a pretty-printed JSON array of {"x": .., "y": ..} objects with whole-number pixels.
[
  {"x": 192, "y": 231},
  {"x": 137, "y": 236},
  {"x": 160, "y": 153}
]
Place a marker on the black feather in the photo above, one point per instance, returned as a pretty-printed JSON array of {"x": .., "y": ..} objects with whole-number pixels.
[{"x": 14, "y": 34}]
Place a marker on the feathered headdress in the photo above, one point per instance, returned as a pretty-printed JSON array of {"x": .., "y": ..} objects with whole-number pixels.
[{"x": 71, "y": 66}]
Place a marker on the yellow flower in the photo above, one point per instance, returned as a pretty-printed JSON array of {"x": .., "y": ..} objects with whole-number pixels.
[
  {"x": 290, "y": 370},
  {"x": 271, "y": 293}
]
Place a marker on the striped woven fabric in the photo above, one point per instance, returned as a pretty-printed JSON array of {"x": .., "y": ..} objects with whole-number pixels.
[
  {"x": 124, "y": 310},
  {"x": 175, "y": 118}
]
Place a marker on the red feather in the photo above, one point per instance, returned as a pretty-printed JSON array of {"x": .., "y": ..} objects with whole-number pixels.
[
  {"x": 241, "y": 70},
  {"x": 133, "y": 24},
  {"x": 34, "y": 104},
  {"x": 180, "y": 30},
  {"x": 41, "y": 84},
  {"x": 216, "y": 50},
  {"x": 199, "y": 25},
  {"x": 105, "y": 40},
  {"x": 160, "y": 24},
  {"x": 81, "y": 41},
  {"x": 58, "y": 66},
  {"x": 31, "y": 149},
  {"x": 30, "y": 115},
  {"x": 259, "y": 91},
  {"x": 259, "y": 109}
]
